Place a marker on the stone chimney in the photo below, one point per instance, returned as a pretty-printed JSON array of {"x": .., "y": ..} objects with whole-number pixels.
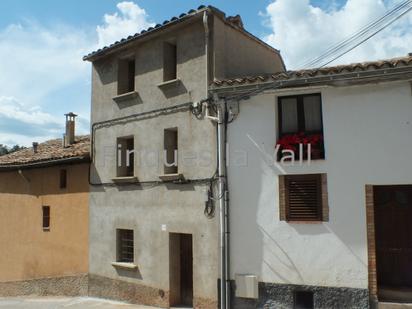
[
  {"x": 70, "y": 129},
  {"x": 236, "y": 20},
  {"x": 35, "y": 147}
]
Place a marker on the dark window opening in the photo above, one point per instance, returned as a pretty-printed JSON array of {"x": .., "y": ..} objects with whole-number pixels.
[
  {"x": 170, "y": 149},
  {"x": 300, "y": 122},
  {"x": 46, "y": 217},
  {"x": 125, "y": 246},
  {"x": 303, "y": 197},
  {"x": 303, "y": 300},
  {"x": 126, "y": 76},
  {"x": 125, "y": 157},
  {"x": 63, "y": 179},
  {"x": 169, "y": 61}
]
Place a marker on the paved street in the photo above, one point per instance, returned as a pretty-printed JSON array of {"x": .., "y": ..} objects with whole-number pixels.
[{"x": 64, "y": 302}]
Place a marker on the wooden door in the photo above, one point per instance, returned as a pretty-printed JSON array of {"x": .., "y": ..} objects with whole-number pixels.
[
  {"x": 186, "y": 268},
  {"x": 393, "y": 236},
  {"x": 181, "y": 270}
]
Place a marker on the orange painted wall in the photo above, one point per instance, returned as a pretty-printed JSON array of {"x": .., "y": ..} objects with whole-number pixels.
[{"x": 28, "y": 252}]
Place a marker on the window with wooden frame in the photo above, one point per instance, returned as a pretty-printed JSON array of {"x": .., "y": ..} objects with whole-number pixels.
[
  {"x": 125, "y": 246},
  {"x": 46, "y": 217},
  {"x": 303, "y": 198},
  {"x": 300, "y": 122},
  {"x": 63, "y": 179}
]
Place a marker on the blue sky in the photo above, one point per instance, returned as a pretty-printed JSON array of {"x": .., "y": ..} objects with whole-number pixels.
[{"x": 42, "y": 43}]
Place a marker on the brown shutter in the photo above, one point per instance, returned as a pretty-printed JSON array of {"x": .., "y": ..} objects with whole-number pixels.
[{"x": 303, "y": 197}]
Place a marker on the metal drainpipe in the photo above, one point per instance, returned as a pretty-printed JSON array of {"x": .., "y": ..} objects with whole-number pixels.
[
  {"x": 206, "y": 26},
  {"x": 223, "y": 213},
  {"x": 222, "y": 192}
]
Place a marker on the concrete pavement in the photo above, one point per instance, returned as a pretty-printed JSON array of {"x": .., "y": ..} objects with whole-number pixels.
[{"x": 64, "y": 302}]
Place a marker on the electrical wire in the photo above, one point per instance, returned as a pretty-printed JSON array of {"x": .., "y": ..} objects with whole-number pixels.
[
  {"x": 356, "y": 35},
  {"x": 367, "y": 38},
  {"x": 396, "y": 11}
]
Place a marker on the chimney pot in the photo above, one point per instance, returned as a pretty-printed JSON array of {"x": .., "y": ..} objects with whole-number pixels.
[
  {"x": 35, "y": 147},
  {"x": 70, "y": 129}
]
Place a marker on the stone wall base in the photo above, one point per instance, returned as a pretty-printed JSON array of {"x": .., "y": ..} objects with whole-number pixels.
[
  {"x": 96, "y": 286},
  {"x": 281, "y": 296},
  {"x": 125, "y": 291},
  {"x": 61, "y": 286}
]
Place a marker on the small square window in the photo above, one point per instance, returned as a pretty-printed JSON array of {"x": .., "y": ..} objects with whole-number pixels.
[
  {"x": 303, "y": 198},
  {"x": 63, "y": 179},
  {"x": 125, "y": 246},
  {"x": 303, "y": 300},
  {"x": 46, "y": 217}
]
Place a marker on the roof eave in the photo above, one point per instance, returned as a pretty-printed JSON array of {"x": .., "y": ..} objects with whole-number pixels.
[
  {"x": 124, "y": 42},
  {"x": 403, "y": 73},
  {"x": 45, "y": 163}
]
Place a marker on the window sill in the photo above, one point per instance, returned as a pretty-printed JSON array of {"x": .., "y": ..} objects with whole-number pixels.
[
  {"x": 171, "y": 177},
  {"x": 130, "y": 266},
  {"x": 46, "y": 229},
  {"x": 125, "y": 96},
  {"x": 125, "y": 179},
  {"x": 305, "y": 222},
  {"x": 169, "y": 83}
]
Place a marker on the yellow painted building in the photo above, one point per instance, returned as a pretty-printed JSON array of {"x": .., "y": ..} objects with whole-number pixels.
[{"x": 44, "y": 219}]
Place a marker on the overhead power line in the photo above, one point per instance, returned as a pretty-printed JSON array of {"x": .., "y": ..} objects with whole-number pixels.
[{"x": 361, "y": 36}]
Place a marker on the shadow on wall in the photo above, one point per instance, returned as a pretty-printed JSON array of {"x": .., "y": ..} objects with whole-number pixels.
[
  {"x": 133, "y": 274},
  {"x": 45, "y": 181}
]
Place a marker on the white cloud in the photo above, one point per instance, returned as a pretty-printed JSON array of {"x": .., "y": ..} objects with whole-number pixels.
[
  {"x": 43, "y": 75},
  {"x": 36, "y": 61},
  {"x": 302, "y": 31},
  {"x": 24, "y": 124},
  {"x": 131, "y": 20}
]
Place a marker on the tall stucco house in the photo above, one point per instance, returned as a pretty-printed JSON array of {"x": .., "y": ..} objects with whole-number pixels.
[
  {"x": 154, "y": 234},
  {"x": 44, "y": 202},
  {"x": 326, "y": 225}
]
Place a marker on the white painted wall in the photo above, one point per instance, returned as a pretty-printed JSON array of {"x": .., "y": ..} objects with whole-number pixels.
[{"x": 368, "y": 140}]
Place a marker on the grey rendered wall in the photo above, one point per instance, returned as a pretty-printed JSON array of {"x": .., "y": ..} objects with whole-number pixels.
[
  {"x": 153, "y": 211},
  {"x": 236, "y": 54},
  {"x": 149, "y": 73}
]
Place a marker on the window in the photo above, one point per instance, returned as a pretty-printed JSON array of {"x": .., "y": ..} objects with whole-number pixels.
[
  {"x": 300, "y": 121},
  {"x": 301, "y": 113},
  {"x": 303, "y": 198},
  {"x": 46, "y": 217},
  {"x": 126, "y": 76},
  {"x": 125, "y": 156},
  {"x": 63, "y": 179},
  {"x": 303, "y": 300},
  {"x": 125, "y": 246},
  {"x": 169, "y": 61},
  {"x": 170, "y": 151}
]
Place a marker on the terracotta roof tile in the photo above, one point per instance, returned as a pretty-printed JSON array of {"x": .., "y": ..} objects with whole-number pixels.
[
  {"x": 173, "y": 20},
  {"x": 48, "y": 151},
  {"x": 319, "y": 72}
]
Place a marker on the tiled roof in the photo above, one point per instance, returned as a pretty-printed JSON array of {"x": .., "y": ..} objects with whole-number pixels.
[
  {"x": 233, "y": 20},
  {"x": 51, "y": 150},
  {"x": 319, "y": 72},
  {"x": 173, "y": 20}
]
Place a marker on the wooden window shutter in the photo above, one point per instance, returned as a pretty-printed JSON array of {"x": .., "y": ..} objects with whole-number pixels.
[{"x": 303, "y": 197}]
